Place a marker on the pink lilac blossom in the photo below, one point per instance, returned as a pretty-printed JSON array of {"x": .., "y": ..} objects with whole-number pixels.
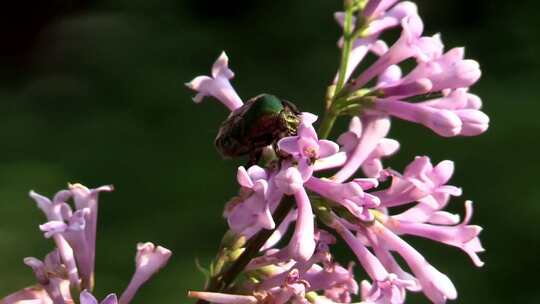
[
  {"x": 448, "y": 73},
  {"x": 70, "y": 266},
  {"x": 375, "y": 129},
  {"x": 306, "y": 148},
  {"x": 294, "y": 264},
  {"x": 292, "y": 280},
  {"x": 421, "y": 184},
  {"x": 88, "y": 298},
  {"x": 217, "y": 86},
  {"x": 359, "y": 211},
  {"x": 436, "y": 71},
  {"x": 372, "y": 166},
  {"x": 250, "y": 209},
  {"x": 380, "y": 20}
]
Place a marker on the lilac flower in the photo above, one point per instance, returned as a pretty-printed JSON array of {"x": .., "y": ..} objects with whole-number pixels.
[
  {"x": 250, "y": 210},
  {"x": 289, "y": 180},
  {"x": 391, "y": 290},
  {"x": 217, "y": 86},
  {"x": 388, "y": 288},
  {"x": 435, "y": 285},
  {"x": 369, "y": 262},
  {"x": 374, "y": 129},
  {"x": 307, "y": 269},
  {"x": 56, "y": 212},
  {"x": 375, "y": 8},
  {"x": 294, "y": 281},
  {"x": 337, "y": 282},
  {"x": 467, "y": 107},
  {"x": 419, "y": 180},
  {"x": 349, "y": 195},
  {"x": 306, "y": 147},
  {"x": 52, "y": 276},
  {"x": 463, "y": 235},
  {"x": 444, "y": 121},
  {"x": 331, "y": 162},
  {"x": 88, "y": 298},
  {"x": 441, "y": 121},
  {"x": 73, "y": 232},
  {"x": 302, "y": 243},
  {"x": 222, "y": 298},
  {"x": 293, "y": 290},
  {"x": 69, "y": 268},
  {"x": 29, "y": 295},
  {"x": 280, "y": 231},
  {"x": 372, "y": 165},
  {"x": 436, "y": 71},
  {"x": 385, "y": 256},
  {"x": 360, "y": 210},
  {"x": 410, "y": 44},
  {"x": 456, "y": 113},
  {"x": 448, "y": 71},
  {"x": 384, "y": 17},
  {"x": 84, "y": 197},
  {"x": 377, "y": 22},
  {"x": 148, "y": 261},
  {"x": 402, "y": 90}
]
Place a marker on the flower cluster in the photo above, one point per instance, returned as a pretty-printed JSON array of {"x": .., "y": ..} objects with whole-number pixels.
[
  {"x": 359, "y": 211},
  {"x": 70, "y": 266}
]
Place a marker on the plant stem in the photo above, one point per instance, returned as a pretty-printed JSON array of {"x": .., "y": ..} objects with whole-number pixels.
[
  {"x": 253, "y": 246},
  {"x": 331, "y": 114},
  {"x": 348, "y": 38}
]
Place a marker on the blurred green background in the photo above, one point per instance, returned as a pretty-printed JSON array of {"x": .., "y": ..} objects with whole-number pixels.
[{"x": 92, "y": 92}]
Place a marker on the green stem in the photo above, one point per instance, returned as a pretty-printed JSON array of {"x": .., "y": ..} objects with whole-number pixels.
[
  {"x": 253, "y": 246},
  {"x": 331, "y": 114},
  {"x": 348, "y": 38}
]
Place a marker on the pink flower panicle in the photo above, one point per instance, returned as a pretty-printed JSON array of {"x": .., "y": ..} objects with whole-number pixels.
[
  {"x": 359, "y": 211},
  {"x": 70, "y": 266}
]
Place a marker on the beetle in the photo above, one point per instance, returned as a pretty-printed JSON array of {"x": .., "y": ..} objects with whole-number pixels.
[{"x": 260, "y": 122}]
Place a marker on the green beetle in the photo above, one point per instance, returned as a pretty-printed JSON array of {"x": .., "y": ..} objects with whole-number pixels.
[{"x": 260, "y": 122}]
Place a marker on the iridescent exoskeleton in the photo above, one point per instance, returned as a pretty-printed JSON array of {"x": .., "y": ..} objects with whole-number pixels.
[{"x": 260, "y": 122}]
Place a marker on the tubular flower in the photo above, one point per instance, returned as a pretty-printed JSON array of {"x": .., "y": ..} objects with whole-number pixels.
[
  {"x": 455, "y": 113},
  {"x": 250, "y": 209},
  {"x": 88, "y": 298},
  {"x": 148, "y": 261},
  {"x": 436, "y": 72},
  {"x": 217, "y": 86},
  {"x": 372, "y": 165},
  {"x": 291, "y": 210},
  {"x": 301, "y": 192},
  {"x": 70, "y": 266}
]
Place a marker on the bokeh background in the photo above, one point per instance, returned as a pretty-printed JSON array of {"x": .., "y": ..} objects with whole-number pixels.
[{"x": 92, "y": 91}]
